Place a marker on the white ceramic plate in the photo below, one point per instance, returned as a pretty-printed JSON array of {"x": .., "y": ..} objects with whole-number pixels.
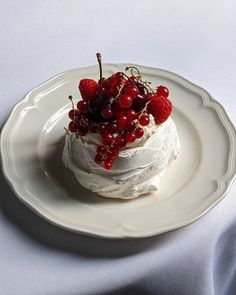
[{"x": 31, "y": 148}]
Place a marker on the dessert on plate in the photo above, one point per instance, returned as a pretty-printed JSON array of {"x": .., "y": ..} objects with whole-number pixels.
[{"x": 121, "y": 138}]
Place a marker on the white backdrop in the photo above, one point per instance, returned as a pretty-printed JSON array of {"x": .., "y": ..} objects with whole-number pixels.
[{"x": 39, "y": 39}]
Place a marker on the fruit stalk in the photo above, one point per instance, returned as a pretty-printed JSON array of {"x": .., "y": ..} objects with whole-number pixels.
[{"x": 99, "y": 58}]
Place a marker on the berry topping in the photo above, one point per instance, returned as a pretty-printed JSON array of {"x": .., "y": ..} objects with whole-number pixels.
[
  {"x": 73, "y": 127},
  {"x": 125, "y": 101},
  {"x": 107, "y": 138},
  {"x": 161, "y": 108},
  {"x": 132, "y": 91},
  {"x": 98, "y": 159},
  {"x": 107, "y": 113},
  {"x": 162, "y": 91},
  {"x": 82, "y": 106},
  {"x": 143, "y": 120},
  {"x": 130, "y": 114},
  {"x": 139, "y": 132},
  {"x": 118, "y": 109},
  {"x": 130, "y": 137},
  {"x": 111, "y": 128},
  {"x": 82, "y": 130},
  {"x": 88, "y": 89},
  {"x": 122, "y": 121},
  {"x": 107, "y": 164},
  {"x": 73, "y": 114},
  {"x": 101, "y": 149}
]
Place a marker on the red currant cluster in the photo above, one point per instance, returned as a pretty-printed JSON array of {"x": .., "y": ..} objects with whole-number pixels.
[{"x": 117, "y": 108}]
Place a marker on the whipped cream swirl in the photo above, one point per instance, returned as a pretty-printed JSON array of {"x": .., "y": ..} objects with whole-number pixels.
[{"x": 138, "y": 169}]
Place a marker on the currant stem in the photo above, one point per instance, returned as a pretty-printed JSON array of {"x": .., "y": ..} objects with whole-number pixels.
[
  {"x": 133, "y": 68},
  {"x": 70, "y": 97},
  {"x": 73, "y": 106},
  {"x": 130, "y": 80},
  {"x": 99, "y": 59}
]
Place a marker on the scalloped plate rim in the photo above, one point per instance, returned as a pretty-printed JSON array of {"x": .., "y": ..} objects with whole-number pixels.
[{"x": 123, "y": 231}]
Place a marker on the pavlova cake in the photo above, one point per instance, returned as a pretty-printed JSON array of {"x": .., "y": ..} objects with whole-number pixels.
[{"x": 121, "y": 138}]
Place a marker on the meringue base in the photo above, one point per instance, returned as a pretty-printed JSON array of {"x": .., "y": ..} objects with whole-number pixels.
[{"x": 138, "y": 170}]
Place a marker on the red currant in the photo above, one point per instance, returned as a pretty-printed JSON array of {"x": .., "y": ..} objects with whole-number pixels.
[
  {"x": 107, "y": 164},
  {"x": 119, "y": 75},
  {"x": 130, "y": 126},
  {"x": 82, "y": 106},
  {"x": 113, "y": 154},
  {"x": 162, "y": 91},
  {"x": 101, "y": 149},
  {"x": 73, "y": 113},
  {"x": 125, "y": 101},
  {"x": 101, "y": 129},
  {"x": 144, "y": 120},
  {"x": 130, "y": 114},
  {"x": 83, "y": 121},
  {"x": 139, "y": 132},
  {"x": 107, "y": 138},
  {"x": 122, "y": 121},
  {"x": 82, "y": 130},
  {"x": 111, "y": 80},
  {"x": 134, "y": 79},
  {"x": 145, "y": 114},
  {"x": 73, "y": 127},
  {"x": 130, "y": 137},
  {"x": 132, "y": 91},
  {"x": 111, "y": 128},
  {"x": 98, "y": 159},
  {"x": 116, "y": 109},
  {"x": 120, "y": 142},
  {"x": 107, "y": 113}
]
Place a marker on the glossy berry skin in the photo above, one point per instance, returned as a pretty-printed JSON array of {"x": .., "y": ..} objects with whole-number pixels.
[
  {"x": 88, "y": 89},
  {"x": 139, "y": 132},
  {"x": 113, "y": 154},
  {"x": 142, "y": 89},
  {"x": 73, "y": 114},
  {"x": 130, "y": 137},
  {"x": 139, "y": 102},
  {"x": 161, "y": 108},
  {"x": 131, "y": 115},
  {"x": 107, "y": 113},
  {"x": 119, "y": 75},
  {"x": 82, "y": 130},
  {"x": 107, "y": 138},
  {"x": 116, "y": 109},
  {"x": 101, "y": 129},
  {"x": 125, "y": 101},
  {"x": 162, "y": 91},
  {"x": 122, "y": 121},
  {"x": 132, "y": 91},
  {"x": 130, "y": 126},
  {"x": 101, "y": 149},
  {"x": 98, "y": 159},
  {"x": 134, "y": 79},
  {"x": 107, "y": 164},
  {"x": 73, "y": 127},
  {"x": 120, "y": 142},
  {"x": 143, "y": 120},
  {"x": 82, "y": 106},
  {"x": 111, "y": 128}
]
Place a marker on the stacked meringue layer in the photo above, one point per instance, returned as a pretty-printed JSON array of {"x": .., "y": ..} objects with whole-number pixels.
[{"x": 138, "y": 169}]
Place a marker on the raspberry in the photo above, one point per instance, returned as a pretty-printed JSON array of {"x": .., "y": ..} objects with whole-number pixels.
[
  {"x": 160, "y": 107},
  {"x": 88, "y": 89}
]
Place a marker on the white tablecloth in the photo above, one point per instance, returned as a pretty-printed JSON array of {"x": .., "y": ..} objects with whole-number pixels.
[{"x": 39, "y": 39}]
